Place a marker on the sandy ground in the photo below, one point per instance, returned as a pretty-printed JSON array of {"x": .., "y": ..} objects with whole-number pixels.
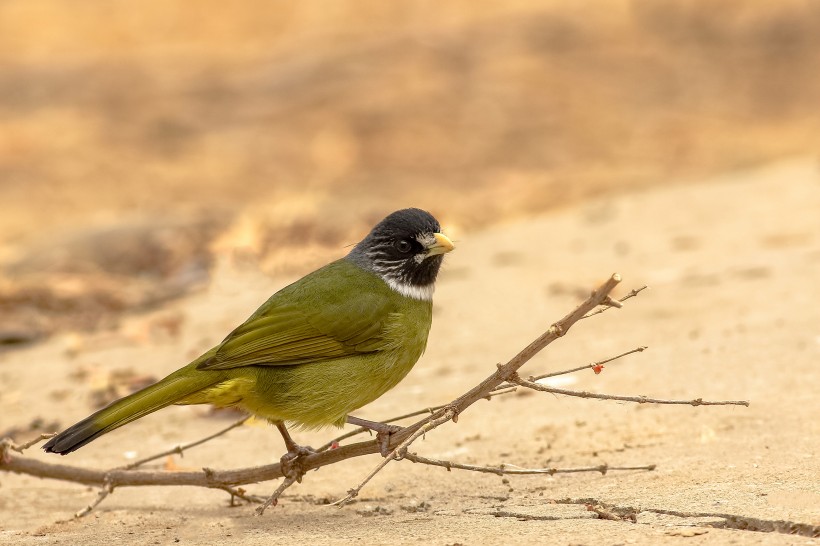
[{"x": 732, "y": 313}]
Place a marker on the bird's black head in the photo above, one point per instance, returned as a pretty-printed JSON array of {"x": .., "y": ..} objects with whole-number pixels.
[{"x": 405, "y": 249}]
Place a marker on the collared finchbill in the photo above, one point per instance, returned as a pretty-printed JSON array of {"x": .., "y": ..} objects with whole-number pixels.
[
  {"x": 443, "y": 245},
  {"x": 315, "y": 351}
]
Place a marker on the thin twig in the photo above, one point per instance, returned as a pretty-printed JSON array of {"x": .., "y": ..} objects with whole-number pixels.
[
  {"x": 178, "y": 450},
  {"x": 8, "y": 444},
  {"x": 506, "y": 469},
  {"x": 102, "y": 494},
  {"x": 241, "y": 494},
  {"x": 637, "y": 399},
  {"x": 615, "y": 303},
  {"x": 588, "y": 366},
  {"x": 498, "y": 392},
  {"x": 399, "y": 452},
  {"x": 500, "y": 389},
  {"x": 273, "y": 500}
]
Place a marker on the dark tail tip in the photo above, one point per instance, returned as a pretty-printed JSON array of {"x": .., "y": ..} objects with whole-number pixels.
[
  {"x": 52, "y": 447},
  {"x": 74, "y": 438}
]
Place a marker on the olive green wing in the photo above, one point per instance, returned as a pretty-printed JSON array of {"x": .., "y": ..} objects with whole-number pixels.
[{"x": 318, "y": 321}]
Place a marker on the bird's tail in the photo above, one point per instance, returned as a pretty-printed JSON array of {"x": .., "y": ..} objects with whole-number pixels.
[{"x": 170, "y": 390}]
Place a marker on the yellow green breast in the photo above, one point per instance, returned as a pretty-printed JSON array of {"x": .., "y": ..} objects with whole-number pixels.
[{"x": 323, "y": 393}]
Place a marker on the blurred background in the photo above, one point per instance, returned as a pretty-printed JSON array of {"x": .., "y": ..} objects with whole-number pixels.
[{"x": 141, "y": 141}]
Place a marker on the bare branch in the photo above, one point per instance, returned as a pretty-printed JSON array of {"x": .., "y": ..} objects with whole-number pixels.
[
  {"x": 497, "y": 392},
  {"x": 7, "y": 444},
  {"x": 178, "y": 450},
  {"x": 638, "y": 399},
  {"x": 273, "y": 500},
  {"x": 503, "y": 380},
  {"x": 452, "y": 410},
  {"x": 102, "y": 494},
  {"x": 588, "y": 366},
  {"x": 609, "y": 302},
  {"x": 397, "y": 454},
  {"x": 240, "y": 493},
  {"x": 507, "y": 469},
  {"x": 221, "y": 479},
  {"x": 505, "y": 371}
]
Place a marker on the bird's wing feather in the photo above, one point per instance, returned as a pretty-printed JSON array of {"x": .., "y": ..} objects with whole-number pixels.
[{"x": 321, "y": 317}]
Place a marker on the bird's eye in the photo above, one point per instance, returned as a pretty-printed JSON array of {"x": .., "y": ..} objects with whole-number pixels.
[{"x": 403, "y": 246}]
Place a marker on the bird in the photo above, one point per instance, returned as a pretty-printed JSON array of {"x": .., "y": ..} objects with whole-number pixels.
[{"x": 318, "y": 349}]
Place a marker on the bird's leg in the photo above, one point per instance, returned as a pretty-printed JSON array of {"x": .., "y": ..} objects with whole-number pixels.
[
  {"x": 383, "y": 432},
  {"x": 295, "y": 451}
]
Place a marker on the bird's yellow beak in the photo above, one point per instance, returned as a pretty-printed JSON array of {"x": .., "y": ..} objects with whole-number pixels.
[{"x": 443, "y": 245}]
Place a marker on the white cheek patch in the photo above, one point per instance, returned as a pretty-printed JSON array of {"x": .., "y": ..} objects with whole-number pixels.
[{"x": 426, "y": 240}]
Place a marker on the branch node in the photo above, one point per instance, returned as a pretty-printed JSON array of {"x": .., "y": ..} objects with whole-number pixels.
[{"x": 7, "y": 444}]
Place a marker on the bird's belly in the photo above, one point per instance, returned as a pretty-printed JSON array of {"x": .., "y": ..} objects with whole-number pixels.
[{"x": 321, "y": 393}]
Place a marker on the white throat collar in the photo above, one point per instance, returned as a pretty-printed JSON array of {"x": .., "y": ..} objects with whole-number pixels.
[{"x": 424, "y": 293}]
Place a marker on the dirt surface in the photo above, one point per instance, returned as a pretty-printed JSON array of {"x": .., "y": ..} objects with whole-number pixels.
[
  {"x": 732, "y": 263},
  {"x": 164, "y": 169}
]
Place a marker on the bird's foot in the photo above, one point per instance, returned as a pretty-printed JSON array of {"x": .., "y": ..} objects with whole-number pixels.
[
  {"x": 383, "y": 437},
  {"x": 383, "y": 432},
  {"x": 293, "y": 461}
]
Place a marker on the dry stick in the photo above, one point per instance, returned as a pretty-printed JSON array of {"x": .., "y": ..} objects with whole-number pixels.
[
  {"x": 588, "y": 366},
  {"x": 8, "y": 444},
  {"x": 178, "y": 450},
  {"x": 241, "y": 494},
  {"x": 609, "y": 302},
  {"x": 227, "y": 478},
  {"x": 102, "y": 494},
  {"x": 107, "y": 487},
  {"x": 498, "y": 392},
  {"x": 638, "y": 399},
  {"x": 216, "y": 479},
  {"x": 397, "y": 454},
  {"x": 512, "y": 469},
  {"x": 224, "y": 480},
  {"x": 408, "y": 435},
  {"x": 504, "y": 389},
  {"x": 273, "y": 500}
]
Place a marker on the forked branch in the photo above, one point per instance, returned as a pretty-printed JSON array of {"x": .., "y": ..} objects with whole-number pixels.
[{"x": 503, "y": 380}]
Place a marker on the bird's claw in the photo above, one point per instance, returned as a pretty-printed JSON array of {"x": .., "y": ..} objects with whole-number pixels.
[
  {"x": 292, "y": 461},
  {"x": 383, "y": 438}
]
